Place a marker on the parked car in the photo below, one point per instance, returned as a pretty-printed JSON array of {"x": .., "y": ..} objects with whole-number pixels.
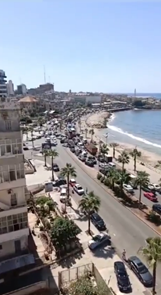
[
  {"x": 123, "y": 281},
  {"x": 157, "y": 208},
  {"x": 150, "y": 196},
  {"x": 98, "y": 240},
  {"x": 78, "y": 189},
  {"x": 98, "y": 222},
  {"x": 141, "y": 271},
  {"x": 63, "y": 195},
  {"x": 59, "y": 182},
  {"x": 56, "y": 167},
  {"x": 72, "y": 182},
  {"x": 93, "y": 159},
  {"x": 155, "y": 187},
  {"x": 81, "y": 158},
  {"x": 89, "y": 163},
  {"x": 128, "y": 188},
  {"x": 72, "y": 149}
]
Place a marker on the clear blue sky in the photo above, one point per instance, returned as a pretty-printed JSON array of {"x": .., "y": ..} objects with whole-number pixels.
[{"x": 85, "y": 45}]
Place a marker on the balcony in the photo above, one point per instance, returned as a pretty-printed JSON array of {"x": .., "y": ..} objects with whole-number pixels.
[
  {"x": 12, "y": 210},
  {"x": 15, "y": 235},
  {"x": 13, "y": 184}
]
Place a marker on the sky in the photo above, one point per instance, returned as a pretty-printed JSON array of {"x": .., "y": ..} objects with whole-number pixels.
[{"x": 84, "y": 45}]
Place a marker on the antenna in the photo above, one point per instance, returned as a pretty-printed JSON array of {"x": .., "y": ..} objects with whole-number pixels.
[{"x": 44, "y": 75}]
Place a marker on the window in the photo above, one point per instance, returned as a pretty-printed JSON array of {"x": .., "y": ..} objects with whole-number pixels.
[
  {"x": 12, "y": 175},
  {"x": 0, "y": 247},
  {"x": 13, "y": 223},
  {"x": 6, "y": 176},
  {"x": 13, "y": 200},
  {"x": 8, "y": 149},
  {"x": 8, "y": 125},
  {"x": 2, "y": 150}
]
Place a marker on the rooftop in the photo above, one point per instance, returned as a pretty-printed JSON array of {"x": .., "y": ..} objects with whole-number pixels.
[{"x": 28, "y": 99}]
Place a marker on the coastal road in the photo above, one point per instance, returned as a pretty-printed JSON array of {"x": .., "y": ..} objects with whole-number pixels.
[{"x": 126, "y": 230}]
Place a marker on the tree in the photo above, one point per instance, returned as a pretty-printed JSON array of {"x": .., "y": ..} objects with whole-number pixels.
[
  {"x": 68, "y": 171},
  {"x": 53, "y": 154},
  {"x": 114, "y": 145},
  {"x": 135, "y": 153},
  {"x": 63, "y": 231},
  {"x": 91, "y": 131},
  {"x": 152, "y": 253},
  {"x": 45, "y": 154},
  {"x": 123, "y": 158},
  {"x": 104, "y": 149},
  {"x": 90, "y": 204},
  {"x": 113, "y": 176},
  {"x": 86, "y": 132},
  {"x": 124, "y": 177},
  {"x": 83, "y": 286},
  {"x": 142, "y": 180}
]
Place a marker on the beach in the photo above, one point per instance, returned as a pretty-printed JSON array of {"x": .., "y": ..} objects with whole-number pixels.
[{"x": 149, "y": 159}]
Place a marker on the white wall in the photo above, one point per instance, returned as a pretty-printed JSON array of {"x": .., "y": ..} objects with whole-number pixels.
[
  {"x": 20, "y": 194},
  {"x": 8, "y": 248}
]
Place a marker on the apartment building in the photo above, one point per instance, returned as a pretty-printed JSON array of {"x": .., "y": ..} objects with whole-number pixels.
[
  {"x": 14, "y": 229},
  {"x": 3, "y": 86}
]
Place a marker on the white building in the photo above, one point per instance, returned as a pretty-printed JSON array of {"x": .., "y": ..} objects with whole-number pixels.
[
  {"x": 3, "y": 86},
  {"x": 10, "y": 88},
  {"x": 14, "y": 229}
]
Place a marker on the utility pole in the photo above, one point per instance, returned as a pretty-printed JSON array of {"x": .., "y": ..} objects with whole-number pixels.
[{"x": 44, "y": 76}]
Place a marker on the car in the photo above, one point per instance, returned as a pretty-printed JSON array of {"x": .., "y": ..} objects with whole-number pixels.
[
  {"x": 122, "y": 277},
  {"x": 155, "y": 187},
  {"x": 150, "y": 196},
  {"x": 103, "y": 171},
  {"x": 56, "y": 167},
  {"x": 82, "y": 158},
  {"x": 72, "y": 149},
  {"x": 157, "y": 208},
  {"x": 128, "y": 188},
  {"x": 63, "y": 195},
  {"x": 93, "y": 159},
  {"x": 72, "y": 182},
  {"x": 78, "y": 189},
  {"x": 89, "y": 163},
  {"x": 98, "y": 240},
  {"x": 59, "y": 182},
  {"x": 98, "y": 222},
  {"x": 141, "y": 271}
]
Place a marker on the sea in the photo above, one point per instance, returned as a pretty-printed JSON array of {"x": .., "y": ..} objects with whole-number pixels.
[{"x": 140, "y": 128}]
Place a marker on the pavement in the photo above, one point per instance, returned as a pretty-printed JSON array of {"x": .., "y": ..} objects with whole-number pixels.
[
  {"x": 103, "y": 258},
  {"x": 126, "y": 230}
]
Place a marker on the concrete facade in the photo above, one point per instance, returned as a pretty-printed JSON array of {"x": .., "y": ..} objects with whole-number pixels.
[{"x": 14, "y": 229}]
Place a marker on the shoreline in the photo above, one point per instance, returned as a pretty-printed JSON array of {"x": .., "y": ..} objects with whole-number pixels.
[{"x": 149, "y": 159}]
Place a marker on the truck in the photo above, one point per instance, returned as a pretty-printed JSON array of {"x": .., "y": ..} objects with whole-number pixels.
[{"x": 91, "y": 148}]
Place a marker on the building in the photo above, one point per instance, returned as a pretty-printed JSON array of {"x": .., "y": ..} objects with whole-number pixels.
[
  {"x": 21, "y": 89},
  {"x": 10, "y": 88},
  {"x": 14, "y": 230},
  {"x": 28, "y": 103},
  {"x": 3, "y": 86}
]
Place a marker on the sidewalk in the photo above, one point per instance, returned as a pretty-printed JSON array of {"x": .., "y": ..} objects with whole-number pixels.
[{"x": 103, "y": 258}]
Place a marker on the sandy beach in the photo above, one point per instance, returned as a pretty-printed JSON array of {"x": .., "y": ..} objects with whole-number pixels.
[{"x": 149, "y": 159}]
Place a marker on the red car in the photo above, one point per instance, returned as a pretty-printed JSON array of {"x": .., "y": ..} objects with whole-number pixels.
[
  {"x": 72, "y": 182},
  {"x": 150, "y": 196}
]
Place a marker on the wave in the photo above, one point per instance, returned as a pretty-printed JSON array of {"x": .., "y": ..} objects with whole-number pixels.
[{"x": 119, "y": 130}]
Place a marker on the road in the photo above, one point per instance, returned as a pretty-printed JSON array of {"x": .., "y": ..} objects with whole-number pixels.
[{"x": 126, "y": 230}]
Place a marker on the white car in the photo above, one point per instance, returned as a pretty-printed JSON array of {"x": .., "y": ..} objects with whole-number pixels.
[
  {"x": 128, "y": 188},
  {"x": 154, "y": 186},
  {"x": 79, "y": 190},
  {"x": 98, "y": 240}
]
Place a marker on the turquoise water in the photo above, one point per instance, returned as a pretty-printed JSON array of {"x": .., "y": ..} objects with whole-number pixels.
[{"x": 139, "y": 128}]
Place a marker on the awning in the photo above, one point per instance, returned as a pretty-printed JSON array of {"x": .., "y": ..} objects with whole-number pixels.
[{"x": 16, "y": 263}]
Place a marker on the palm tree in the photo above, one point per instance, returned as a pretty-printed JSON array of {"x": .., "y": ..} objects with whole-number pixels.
[
  {"x": 123, "y": 158},
  {"x": 142, "y": 180},
  {"x": 124, "y": 177},
  {"x": 104, "y": 149},
  {"x": 152, "y": 253},
  {"x": 135, "y": 153},
  {"x": 68, "y": 171},
  {"x": 113, "y": 176},
  {"x": 86, "y": 132},
  {"x": 90, "y": 204},
  {"x": 114, "y": 145},
  {"x": 45, "y": 154},
  {"x": 91, "y": 131},
  {"x": 53, "y": 154}
]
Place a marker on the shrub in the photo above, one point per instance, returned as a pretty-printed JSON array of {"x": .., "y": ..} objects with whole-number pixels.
[
  {"x": 99, "y": 176},
  {"x": 153, "y": 217}
]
